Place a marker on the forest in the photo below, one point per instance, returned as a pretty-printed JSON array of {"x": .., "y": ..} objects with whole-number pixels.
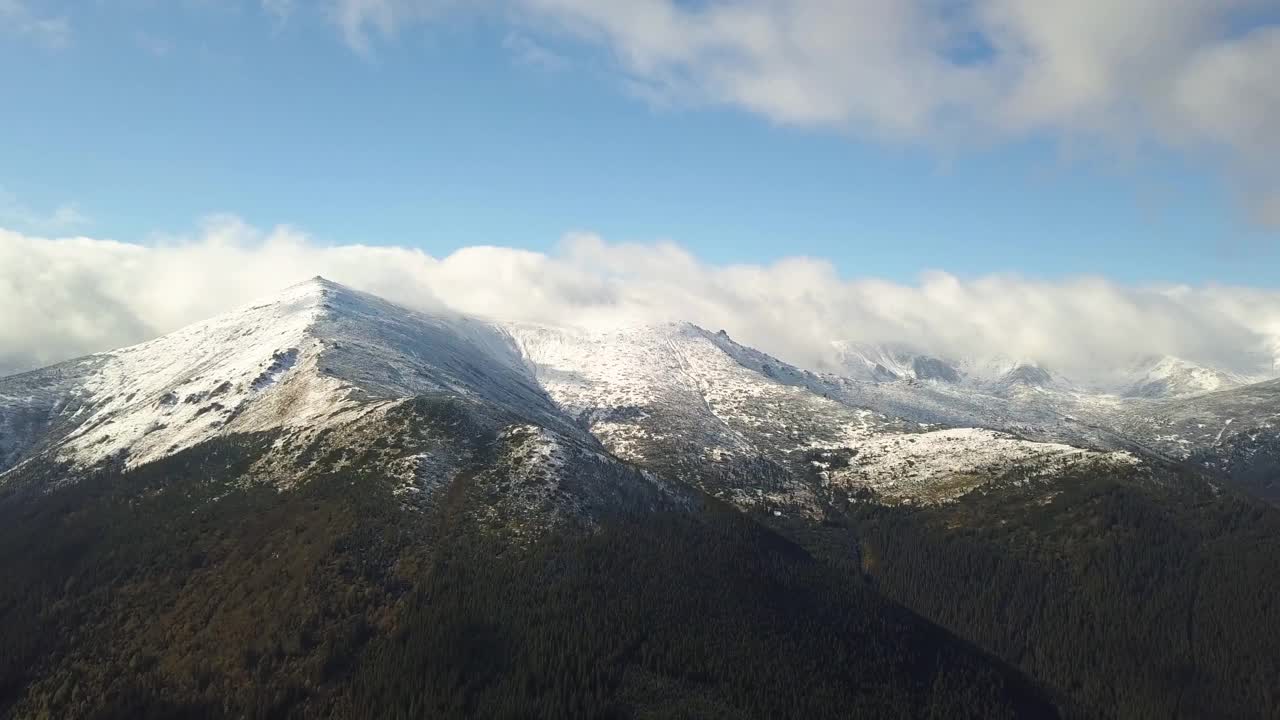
[
  {"x": 1125, "y": 597},
  {"x": 175, "y": 590},
  {"x": 166, "y": 592}
]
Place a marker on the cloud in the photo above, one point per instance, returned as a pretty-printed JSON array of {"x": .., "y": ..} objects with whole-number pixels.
[
  {"x": 66, "y": 297},
  {"x": 528, "y": 52},
  {"x": 362, "y": 20},
  {"x": 60, "y": 219},
  {"x": 48, "y": 31},
  {"x": 1192, "y": 76}
]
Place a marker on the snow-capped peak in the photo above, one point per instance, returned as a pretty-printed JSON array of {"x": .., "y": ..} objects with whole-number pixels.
[
  {"x": 1168, "y": 377},
  {"x": 314, "y": 353},
  {"x": 887, "y": 362}
]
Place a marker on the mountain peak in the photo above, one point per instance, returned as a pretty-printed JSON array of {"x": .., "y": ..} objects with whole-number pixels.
[
  {"x": 317, "y": 281},
  {"x": 315, "y": 354},
  {"x": 314, "y": 285},
  {"x": 1168, "y": 376},
  {"x": 1029, "y": 374}
]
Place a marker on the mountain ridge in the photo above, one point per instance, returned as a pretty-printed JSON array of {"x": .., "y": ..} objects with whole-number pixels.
[{"x": 320, "y": 358}]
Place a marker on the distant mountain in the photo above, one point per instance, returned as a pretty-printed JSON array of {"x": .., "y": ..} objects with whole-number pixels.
[
  {"x": 870, "y": 362},
  {"x": 1164, "y": 407},
  {"x": 1170, "y": 377},
  {"x": 696, "y": 404},
  {"x": 1146, "y": 377},
  {"x": 1233, "y": 432}
]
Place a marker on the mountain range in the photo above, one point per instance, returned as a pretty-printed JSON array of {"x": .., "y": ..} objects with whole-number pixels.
[
  {"x": 486, "y": 441},
  {"x": 326, "y": 364}
]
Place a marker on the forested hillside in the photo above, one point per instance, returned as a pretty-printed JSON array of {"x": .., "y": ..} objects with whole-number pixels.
[
  {"x": 1128, "y": 599},
  {"x": 169, "y": 591}
]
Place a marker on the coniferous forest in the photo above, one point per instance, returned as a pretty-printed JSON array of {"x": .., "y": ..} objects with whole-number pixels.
[
  {"x": 170, "y": 591},
  {"x": 1125, "y": 599}
]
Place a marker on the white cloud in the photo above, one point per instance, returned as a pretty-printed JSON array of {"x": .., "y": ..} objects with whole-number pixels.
[
  {"x": 60, "y": 219},
  {"x": 361, "y": 20},
  {"x": 526, "y": 51},
  {"x": 18, "y": 19},
  {"x": 1194, "y": 76},
  {"x": 66, "y": 297}
]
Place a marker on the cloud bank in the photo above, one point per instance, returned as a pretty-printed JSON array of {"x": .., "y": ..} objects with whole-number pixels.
[
  {"x": 1192, "y": 76},
  {"x": 71, "y": 296}
]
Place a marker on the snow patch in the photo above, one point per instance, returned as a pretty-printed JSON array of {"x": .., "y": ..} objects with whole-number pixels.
[{"x": 942, "y": 465}]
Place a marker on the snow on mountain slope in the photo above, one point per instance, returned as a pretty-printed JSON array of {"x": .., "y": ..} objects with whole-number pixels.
[
  {"x": 942, "y": 465},
  {"x": 155, "y": 398},
  {"x": 1235, "y": 431},
  {"x": 1110, "y": 410},
  {"x": 658, "y": 395},
  {"x": 871, "y": 362},
  {"x": 316, "y": 355},
  {"x": 1002, "y": 376},
  {"x": 540, "y": 477},
  {"x": 884, "y": 363},
  {"x": 642, "y": 387},
  {"x": 38, "y": 407},
  {"x": 340, "y": 381},
  {"x": 1170, "y": 377},
  {"x": 674, "y": 398}
]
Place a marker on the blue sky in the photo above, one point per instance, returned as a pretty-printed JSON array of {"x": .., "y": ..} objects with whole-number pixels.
[{"x": 469, "y": 130}]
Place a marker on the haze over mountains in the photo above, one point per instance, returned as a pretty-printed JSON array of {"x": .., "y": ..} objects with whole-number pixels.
[{"x": 1152, "y": 376}]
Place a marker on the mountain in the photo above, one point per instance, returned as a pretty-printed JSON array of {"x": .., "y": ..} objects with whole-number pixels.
[
  {"x": 870, "y": 362},
  {"x": 326, "y": 365},
  {"x": 699, "y": 406},
  {"x": 1234, "y": 433},
  {"x": 327, "y": 370},
  {"x": 327, "y": 505},
  {"x": 1170, "y": 377},
  {"x": 1161, "y": 407},
  {"x": 1147, "y": 377},
  {"x": 315, "y": 357}
]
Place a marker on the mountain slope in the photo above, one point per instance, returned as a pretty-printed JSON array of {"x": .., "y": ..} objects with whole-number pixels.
[
  {"x": 1235, "y": 433},
  {"x": 315, "y": 355},
  {"x": 871, "y": 362},
  {"x": 1171, "y": 377},
  {"x": 167, "y": 590},
  {"x": 327, "y": 370},
  {"x": 698, "y": 405}
]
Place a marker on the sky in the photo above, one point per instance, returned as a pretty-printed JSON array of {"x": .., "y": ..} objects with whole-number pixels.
[{"x": 888, "y": 143}]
